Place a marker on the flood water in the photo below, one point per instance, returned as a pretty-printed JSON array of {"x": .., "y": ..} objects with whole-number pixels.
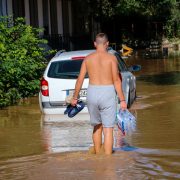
[{"x": 32, "y": 149}]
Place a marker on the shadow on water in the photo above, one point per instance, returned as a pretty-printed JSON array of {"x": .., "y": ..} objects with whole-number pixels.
[{"x": 166, "y": 78}]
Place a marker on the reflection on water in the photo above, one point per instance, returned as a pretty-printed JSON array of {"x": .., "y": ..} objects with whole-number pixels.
[
  {"x": 63, "y": 136},
  {"x": 168, "y": 78},
  {"x": 158, "y": 163},
  {"x": 155, "y": 66},
  {"x": 69, "y": 135},
  {"x": 150, "y": 153}
]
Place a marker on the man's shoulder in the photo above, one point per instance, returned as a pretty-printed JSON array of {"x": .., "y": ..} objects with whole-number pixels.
[
  {"x": 111, "y": 57},
  {"x": 106, "y": 55},
  {"x": 91, "y": 56}
]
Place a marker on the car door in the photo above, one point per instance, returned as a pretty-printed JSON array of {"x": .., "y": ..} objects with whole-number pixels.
[{"x": 128, "y": 78}]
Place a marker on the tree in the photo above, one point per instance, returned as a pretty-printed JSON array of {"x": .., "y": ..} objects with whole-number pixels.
[
  {"x": 172, "y": 26},
  {"x": 21, "y": 60},
  {"x": 166, "y": 12}
]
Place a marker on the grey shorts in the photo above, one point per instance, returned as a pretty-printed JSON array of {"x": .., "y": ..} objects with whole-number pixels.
[{"x": 101, "y": 103}]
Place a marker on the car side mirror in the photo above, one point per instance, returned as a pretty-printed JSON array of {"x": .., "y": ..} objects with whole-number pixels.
[{"x": 134, "y": 68}]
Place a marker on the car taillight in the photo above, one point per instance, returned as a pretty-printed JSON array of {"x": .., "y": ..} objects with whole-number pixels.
[{"x": 44, "y": 87}]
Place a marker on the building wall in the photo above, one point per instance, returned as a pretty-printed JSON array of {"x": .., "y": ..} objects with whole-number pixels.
[
  {"x": 3, "y": 8},
  {"x": 40, "y": 13},
  {"x": 27, "y": 13},
  {"x": 52, "y": 15},
  {"x": 59, "y": 17},
  {"x": 18, "y": 7}
]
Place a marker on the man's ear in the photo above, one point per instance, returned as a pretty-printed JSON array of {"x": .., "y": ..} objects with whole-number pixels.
[
  {"x": 106, "y": 44},
  {"x": 95, "y": 44}
]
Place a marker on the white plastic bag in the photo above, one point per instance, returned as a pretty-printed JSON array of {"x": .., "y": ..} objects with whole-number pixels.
[{"x": 126, "y": 122}]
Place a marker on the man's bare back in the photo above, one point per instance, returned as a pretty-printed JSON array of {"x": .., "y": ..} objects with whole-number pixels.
[{"x": 99, "y": 68}]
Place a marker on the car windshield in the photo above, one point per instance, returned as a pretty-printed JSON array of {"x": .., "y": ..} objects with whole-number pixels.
[{"x": 67, "y": 69}]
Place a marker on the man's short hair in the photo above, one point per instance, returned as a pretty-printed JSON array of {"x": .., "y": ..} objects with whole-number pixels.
[{"x": 101, "y": 38}]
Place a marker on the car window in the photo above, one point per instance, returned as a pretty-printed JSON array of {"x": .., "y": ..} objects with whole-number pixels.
[
  {"x": 121, "y": 64},
  {"x": 68, "y": 69}
]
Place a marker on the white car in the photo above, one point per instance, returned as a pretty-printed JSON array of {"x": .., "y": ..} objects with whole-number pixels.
[{"x": 60, "y": 76}]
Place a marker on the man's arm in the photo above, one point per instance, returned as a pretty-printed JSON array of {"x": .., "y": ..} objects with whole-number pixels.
[
  {"x": 117, "y": 83},
  {"x": 79, "y": 82}
]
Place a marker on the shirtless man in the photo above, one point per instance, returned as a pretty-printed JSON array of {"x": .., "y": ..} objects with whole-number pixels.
[{"x": 104, "y": 82}]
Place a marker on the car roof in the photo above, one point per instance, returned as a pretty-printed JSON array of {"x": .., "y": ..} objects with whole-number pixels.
[{"x": 68, "y": 55}]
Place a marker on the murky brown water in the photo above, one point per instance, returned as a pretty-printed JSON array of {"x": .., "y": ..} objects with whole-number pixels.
[{"x": 29, "y": 149}]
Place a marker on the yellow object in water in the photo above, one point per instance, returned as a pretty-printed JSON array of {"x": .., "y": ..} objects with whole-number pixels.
[{"x": 126, "y": 51}]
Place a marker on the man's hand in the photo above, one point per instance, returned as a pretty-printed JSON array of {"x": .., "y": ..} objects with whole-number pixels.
[
  {"x": 123, "y": 105},
  {"x": 74, "y": 102}
]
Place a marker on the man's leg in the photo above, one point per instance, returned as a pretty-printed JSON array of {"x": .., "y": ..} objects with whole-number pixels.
[
  {"x": 97, "y": 137},
  {"x": 108, "y": 140}
]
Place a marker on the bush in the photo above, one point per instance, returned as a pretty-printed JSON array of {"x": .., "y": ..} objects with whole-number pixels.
[{"x": 21, "y": 60}]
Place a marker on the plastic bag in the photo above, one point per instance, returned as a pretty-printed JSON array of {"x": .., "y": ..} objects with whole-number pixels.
[{"x": 126, "y": 122}]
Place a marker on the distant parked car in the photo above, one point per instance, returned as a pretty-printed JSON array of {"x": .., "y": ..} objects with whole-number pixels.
[{"x": 60, "y": 76}]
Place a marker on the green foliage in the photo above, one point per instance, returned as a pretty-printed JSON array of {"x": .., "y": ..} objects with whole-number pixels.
[
  {"x": 166, "y": 12},
  {"x": 21, "y": 60},
  {"x": 126, "y": 7},
  {"x": 151, "y": 8},
  {"x": 172, "y": 26},
  {"x": 96, "y": 8}
]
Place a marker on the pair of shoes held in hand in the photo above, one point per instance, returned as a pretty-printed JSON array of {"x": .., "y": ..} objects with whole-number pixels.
[{"x": 71, "y": 111}]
